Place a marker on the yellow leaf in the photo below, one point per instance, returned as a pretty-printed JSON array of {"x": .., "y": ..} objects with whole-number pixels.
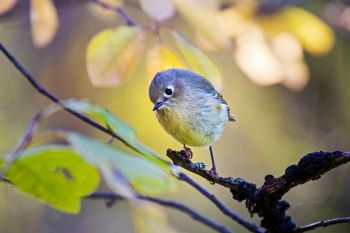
[
  {"x": 198, "y": 61},
  {"x": 149, "y": 218},
  {"x": 256, "y": 59},
  {"x": 44, "y": 21},
  {"x": 233, "y": 18},
  {"x": 112, "y": 55},
  {"x": 206, "y": 21},
  {"x": 6, "y": 5},
  {"x": 158, "y": 9},
  {"x": 316, "y": 36},
  {"x": 160, "y": 58}
]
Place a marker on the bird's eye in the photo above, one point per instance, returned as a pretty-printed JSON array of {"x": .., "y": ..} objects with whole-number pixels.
[{"x": 168, "y": 91}]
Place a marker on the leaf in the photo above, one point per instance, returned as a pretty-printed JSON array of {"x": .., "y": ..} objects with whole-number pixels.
[
  {"x": 44, "y": 21},
  {"x": 103, "y": 13},
  {"x": 56, "y": 175},
  {"x": 158, "y": 9},
  {"x": 198, "y": 61},
  {"x": 112, "y": 55},
  {"x": 206, "y": 21},
  {"x": 144, "y": 176},
  {"x": 315, "y": 36},
  {"x": 160, "y": 58},
  {"x": 149, "y": 218},
  {"x": 116, "y": 125},
  {"x": 6, "y": 5},
  {"x": 116, "y": 181}
]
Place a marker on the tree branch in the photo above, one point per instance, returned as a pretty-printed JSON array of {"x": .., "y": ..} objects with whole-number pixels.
[
  {"x": 55, "y": 99},
  {"x": 58, "y": 101},
  {"x": 266, "y": 200},
  {"x": 22, "y": 144},
  {"x": 245, "y": 223},
  {"x": 112, "y": 197},
  {"x": 323, "y": 223},
  {"x": 119, "y": 10}
]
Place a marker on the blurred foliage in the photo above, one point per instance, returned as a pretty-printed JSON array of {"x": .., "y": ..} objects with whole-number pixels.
[{"x": 304, "y": 47}]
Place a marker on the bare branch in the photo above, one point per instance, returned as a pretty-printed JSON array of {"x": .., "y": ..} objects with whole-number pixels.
[
  {"x": 323, "y": 223},
  {"x": 245, "y": 223},
  {"x": 266, "y": 200},
  {"x": 111, "y": 197},
  {"x": 119, "y": 10},
  {"x": 58, "y": 101},
  {"x": 25, "y": 140}
]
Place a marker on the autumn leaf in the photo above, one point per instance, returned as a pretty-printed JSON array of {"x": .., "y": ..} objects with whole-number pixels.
[
  {"x": 198, "y": 61},
  {"x": 206, "y": 21},
  {"x": 6, "y": 5},
  {"x": 44, "y": 21},
  {"x": 159, "y": 58},
  {"x": 112, "y": 55}
]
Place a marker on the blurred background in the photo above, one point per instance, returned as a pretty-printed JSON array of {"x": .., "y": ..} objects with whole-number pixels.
[{"x": 284, "y": 72}]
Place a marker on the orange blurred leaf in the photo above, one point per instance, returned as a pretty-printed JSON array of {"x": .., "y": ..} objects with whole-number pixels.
[
  {"x": 160, "y": 58},
  {"x": 206, "y": 21},
  {"x": 158, "y": 9},
  {"x": 315, "y": 36},
  {"x": 44, "y": 21},
  {"x": 198, "y": 61},
  {"x": 6, "y": 5},
  {"x": 112, "y": 55}
]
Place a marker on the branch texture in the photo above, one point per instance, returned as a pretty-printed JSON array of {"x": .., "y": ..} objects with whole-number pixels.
[
  {"x": 323, "y": 223},
  {"x": 266, "y": 200}
]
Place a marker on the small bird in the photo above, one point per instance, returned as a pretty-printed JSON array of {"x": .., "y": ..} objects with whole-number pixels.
[{"x": 189, "y": 108}]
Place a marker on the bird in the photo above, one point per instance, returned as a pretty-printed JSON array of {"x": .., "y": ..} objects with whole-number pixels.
[{"x": 190, "y": 109}]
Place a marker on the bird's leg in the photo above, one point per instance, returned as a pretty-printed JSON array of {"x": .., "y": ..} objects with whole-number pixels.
[
  {"x": 213, "y": 171},
  {"x": 188, "y": 152}
]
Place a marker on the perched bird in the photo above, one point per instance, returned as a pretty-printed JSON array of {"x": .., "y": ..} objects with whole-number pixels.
[{"x": 189, "y": 108}]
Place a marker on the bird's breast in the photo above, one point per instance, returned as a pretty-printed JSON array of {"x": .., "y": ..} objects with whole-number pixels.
[{"x": 196, "y": 123}]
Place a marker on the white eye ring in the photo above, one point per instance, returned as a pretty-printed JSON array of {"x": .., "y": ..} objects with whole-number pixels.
[{"x": 168, "y": 91}]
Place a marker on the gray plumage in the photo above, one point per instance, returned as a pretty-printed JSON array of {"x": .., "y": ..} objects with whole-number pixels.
[{"x": 194, "y": 113}]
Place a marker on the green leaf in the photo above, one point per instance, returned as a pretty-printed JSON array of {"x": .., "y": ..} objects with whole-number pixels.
[
  {"x": 55, "y": 175},
  {"x": 117, "y": 126},
  {"x": 144, "y": 176}
]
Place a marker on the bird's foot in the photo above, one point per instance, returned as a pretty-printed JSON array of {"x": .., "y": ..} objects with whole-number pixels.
[
  {"x": 214, "y": 175},
  {"x": 188, "y": 152}
]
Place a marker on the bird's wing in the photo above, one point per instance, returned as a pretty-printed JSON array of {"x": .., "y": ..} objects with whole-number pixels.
[{"x": 230, "y": 117}]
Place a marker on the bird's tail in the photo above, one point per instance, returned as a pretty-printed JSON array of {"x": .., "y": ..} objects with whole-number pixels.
[{"x": 231, "y": 118}]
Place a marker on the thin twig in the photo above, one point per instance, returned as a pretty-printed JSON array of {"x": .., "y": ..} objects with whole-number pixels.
[
  {"x": 323, "y": 223},
  {"x": 55, "y": 99},
  {"x": 111, "y": 197},
  {"x": 25, "y": 140},
  {"x": 59, "y": 102},
  {"x": 119, "y": 10},
  {"x": 245, "y": 223}
]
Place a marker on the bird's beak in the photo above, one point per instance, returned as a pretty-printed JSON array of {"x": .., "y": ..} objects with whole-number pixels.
[{"x": 157, "y": 105}]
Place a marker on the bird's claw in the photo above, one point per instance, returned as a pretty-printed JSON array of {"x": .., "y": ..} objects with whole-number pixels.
[
  {"x": 214, "y": 175},
  {"x": 188, "y": 152}
]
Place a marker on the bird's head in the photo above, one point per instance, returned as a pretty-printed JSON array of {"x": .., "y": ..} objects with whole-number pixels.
[{"x": 167, "y": 89}]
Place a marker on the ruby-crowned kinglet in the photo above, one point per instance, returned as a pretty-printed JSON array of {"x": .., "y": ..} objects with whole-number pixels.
[{"x": 189, "y": 108}]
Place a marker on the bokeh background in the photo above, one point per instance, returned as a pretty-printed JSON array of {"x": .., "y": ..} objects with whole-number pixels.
[{"x": 276, "y": 124}]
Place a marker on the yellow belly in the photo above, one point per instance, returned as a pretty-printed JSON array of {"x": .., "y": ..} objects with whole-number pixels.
[{"x": 192, "y": 130}]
